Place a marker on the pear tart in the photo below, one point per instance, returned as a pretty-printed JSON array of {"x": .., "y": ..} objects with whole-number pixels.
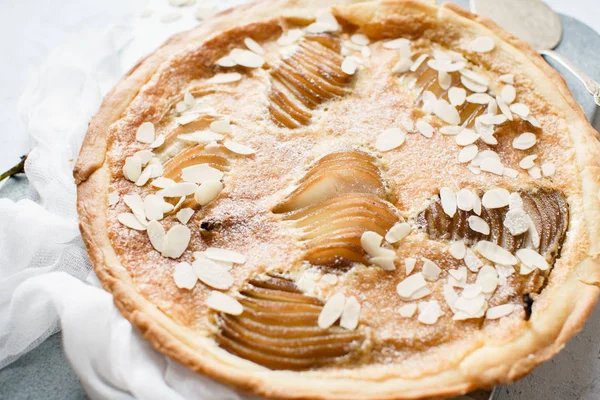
[{"x": 345, "y": 199}]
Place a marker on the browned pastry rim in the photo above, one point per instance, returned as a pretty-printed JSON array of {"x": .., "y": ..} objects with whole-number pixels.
[{"x": 566, "y": 306}]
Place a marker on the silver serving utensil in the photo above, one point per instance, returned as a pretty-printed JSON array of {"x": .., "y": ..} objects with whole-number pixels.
[{"x": 536, "y": 23}]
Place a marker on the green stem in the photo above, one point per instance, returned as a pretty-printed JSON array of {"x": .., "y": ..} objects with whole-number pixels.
[{"x": 17, "y": 169}]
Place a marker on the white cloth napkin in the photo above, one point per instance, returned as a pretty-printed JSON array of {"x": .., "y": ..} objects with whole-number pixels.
[{"x": 46, "y": 280}]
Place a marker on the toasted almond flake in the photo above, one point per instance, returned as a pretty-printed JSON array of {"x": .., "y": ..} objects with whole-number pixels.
[
  {"x": 458, "y": 277},
  {"x": 431, "y": 271},
  {"x": 528, "y": 162},
  {"x": 184, "y": 276},
  {"x": 351, "y": 314},
  {"x": 548, "y": 169},
  {"x": 403, "y": 65},
  {"x": 224, "y": 255},
  {"x": 451, "y": 130},
  {"x": 499, "y": 311},
  {"x": 408, "y": 288},
  {"x": 524, "y": 141},
  {"x": 465, "y": 200},
  {"x": 533, "y": 259},
  {"x": 520, "y": 109},
  {"x": 448, "y": 200},
  {"x": 162, "y": 183},
  {"x": 136, "y": 205},
  {"x": 424, "y": 128},
  {"x": 253, "y": 46},
  {"x": 482, "y": 44},
  {"x": 446, "y": 112},
  {"x": 332, "y": 311},
  {"x": 429, "y": 101},
  {"x": 170, "y": 17},
  {"x": 321, "y": 27},
  {"x": 418, "y": 62},
  {"x": 238, "y": 148},
  {"x": 511, "y": 173},
  {"x": 492, "y": 107},
  {"x": 398, "y": 232},
  {"x": 495, "y": 198},
  {"x": 457, "y": 96},
  {"x": 407, "y": 310},
  {"x": 225, "y": 78},
  {"x": 144, "y": 176},
  {"x": 487, "y": 279},
  {"x": 466, "y": 137},
  {"x": 458, "y": 249},
  {"x": 184, "y": 215},
  {"x": 130, "y": 221},
  {"x": 385, "y": 262},
  {"x": 429, "y": 312},
  {"x": 221, "y": 126},
  {"x": 472, "y": 261},
  {"x": 492, "y": 165},
  {"x": 212, "y": 274},
  {"x": 330, "y": 279},
  {"x": 409, "y": 264},
  {"x": 508, "y": 93},
  {"x": 533, "y": 121},
  {"x": 390, "y": 139},
  {"x": 145, "y": 156},
  {"x": 176, "y": 241},
  {"x": 495, "y": 253},
  {"x": 468, "y": 153},
  {"x": 474, "y": 77},
  {"x": 221, "y": 302},
  {"x": 132, "y": 169},
  {"x": 200, "y": 173},
  {"x": 479, "y": 98},
  {"x": 397, "y": 44},
  {"x": 478, "y": 224},
  {"x": 483, "y": 155},
  {"x": 371, "y": 243}
]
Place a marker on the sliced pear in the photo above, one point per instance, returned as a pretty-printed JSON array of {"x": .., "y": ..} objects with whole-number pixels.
[
  {"x": 278, "y": 329},
  {"x": 332, "y": 254}
]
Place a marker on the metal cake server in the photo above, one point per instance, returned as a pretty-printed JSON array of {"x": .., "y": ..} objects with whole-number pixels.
[{"x": 536, "y": 23}]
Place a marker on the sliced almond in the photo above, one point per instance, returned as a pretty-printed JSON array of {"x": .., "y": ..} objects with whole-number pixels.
[
  {"x": 431, "y": 271},
  {"x": 360, "y": 39},
  {"x": 446, "y": 112},
  {"x": 424, "y": 128},
  {"x": 495, "y": 253},
  {"x": 492, "y": 165},
  {"x": 132, "y": 169},
  {"x": 221, "y": 302},
  {"x": 535, "y": 172},
  {"x": 472, "y": 261},
  {"x": 332, "y": 311},
  {"x": 508, "y": 78},
  {"x": 418, "y": 62},
  {"x": 478, "y": 224},
  {"x": 351, "y": 314},
  {"x": 429, "y": 312},
  {"x": 457, "y": 96},
  {"x": 247, "y": 59},
  {"x": 156, "y": 234},
  {"x": 495, "y": 198},
  {"x": 130, "y": 221},
  {"x": 153, "y": 207},
  {"x": 524, "y": 141},
  {"x": 253, "y": 46},
  {"x": 482, "y": 44},
  {"x": 532, "y": 259},
  {"x": 466, "y": 137},
  {"x": 448, "y": 200},
  {"x": 218, "y": 254},
  {"x": 385, "y": 262},
  {"x": 179, "y": 189},
  {"x": 409, "y": 264},
  {"x": 472, "y": 85},
  {"x": 390, "y": 139},
  {"x": 520, "y": 109},
  {"x": 465, "y": 200},
  {"x": 201, "y": 173},
  {"x": 458, "y": 249},
  {"x": 212, "y": 274},
  {"x": 145, "y": 133},
  {"x": 403, "y": 65},
  {"x": 411, "y": 285},
  {"x": 407, "y": 310},
  {"x": 349, "y": 65},
  {"x": 176, "y": 241},
  {"x": 528, "y": 162},
  {"x": 184, "y": 276},
  {"x": 221, "y": 126},
  {"x": 371, "y": 243},
  {"x": 397, "y": 44},
  {"x": 499, "y": 311},
  {"x": 290, "y": 37},
  {"x": 468, "y": 153},
  {"x": 184, "y": 215},
  {"x": 225, "y": 78},
  {"x": 508, "y": 93},
  {"x": 548, "y": 169},
  {"x": 479, "y": 98},
  {"x": 398, "y": 232}
]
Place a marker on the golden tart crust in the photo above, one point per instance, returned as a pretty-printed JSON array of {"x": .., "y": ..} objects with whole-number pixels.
[{"x": 396, "y": 357}]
